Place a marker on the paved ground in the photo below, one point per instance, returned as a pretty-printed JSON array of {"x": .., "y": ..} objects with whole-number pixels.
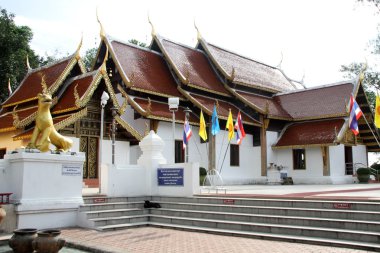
[{"x": 158, "y": 240}]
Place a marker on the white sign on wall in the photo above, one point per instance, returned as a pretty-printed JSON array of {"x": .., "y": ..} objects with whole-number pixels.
[{"x": 71, "y": 170}]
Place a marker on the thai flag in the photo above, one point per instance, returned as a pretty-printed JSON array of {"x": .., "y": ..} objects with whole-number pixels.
[
  {"x": 355, "y": 114},
  {"x": 186, "y": 133},
  {"x": 240, "y": 133}
]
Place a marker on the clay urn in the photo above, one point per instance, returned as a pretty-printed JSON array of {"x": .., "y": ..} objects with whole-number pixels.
[
  {"x": 21, "y": 241},
  {"x": 47, "y": 241}
]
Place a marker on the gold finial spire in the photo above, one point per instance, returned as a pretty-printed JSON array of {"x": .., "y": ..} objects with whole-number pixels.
[
  {"x": 44, "y": 85},
  {"x": 76, "y": 96},
  {"x": 104, "y": 67},
  {"x": 102, "y": 33},
  {"x": 232, "y": 76},
  {"x": 199, "y": 36},
  {"x": 149, "y": 107},
  {"x": 153, "y": 33},
  {"x": 79, "y": 47},
  {"x": 27, "y": 63},
  {"x": 9, "y": 87}
]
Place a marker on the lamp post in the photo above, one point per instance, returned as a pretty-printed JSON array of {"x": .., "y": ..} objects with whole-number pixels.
[
  {"x": 114, "y": 113},
  {"x": 173, "y": 107},
  {"x": 103, "y": 102},
  {"x": 187, "y": 112}
]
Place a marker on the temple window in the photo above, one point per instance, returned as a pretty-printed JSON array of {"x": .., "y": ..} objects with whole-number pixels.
[
  {"x": 3, "y": 151},
  {"x": 179, "y": 152},
  {"x": 234, "y": 155},
  {"x": 299, "y": 159}
]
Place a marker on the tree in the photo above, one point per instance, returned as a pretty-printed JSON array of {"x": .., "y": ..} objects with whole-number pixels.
[
  {"x": 89, "y": 57},
  {"x": 136, "y": 42},
  {"x": 14, "y": 47},
  {"x": 371, "y": 82}
]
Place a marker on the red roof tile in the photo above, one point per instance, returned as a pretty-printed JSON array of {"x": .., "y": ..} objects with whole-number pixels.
[
  {"x": 6, "y": 120},
  {"x": 67, "y": 101},
  {"x": 321, "y": 102},
  {"x": 264, "y": 103},
  {"x": 194, "y": 65},
  {"x": 247, "y": 71},
  {"x": 160, "y": 110},
  {"x": 223, "y": 109},
  {"x": 31, "y": 85},
  {"x": 147, "y": 69},
  {"x": 310, "y": 133}
]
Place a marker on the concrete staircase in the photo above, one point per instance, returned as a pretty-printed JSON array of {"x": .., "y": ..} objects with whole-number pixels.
[{"x": 354, "y": 224}]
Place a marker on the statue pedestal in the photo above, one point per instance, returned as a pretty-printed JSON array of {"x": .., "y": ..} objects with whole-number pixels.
[{"x": 47, "y": 188}]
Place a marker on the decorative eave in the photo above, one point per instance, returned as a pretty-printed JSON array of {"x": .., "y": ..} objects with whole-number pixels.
[
  {"x": 194, "y": 101},
  {"x": 129, "y": 128},
  {"x": 304, "y": 146},
  {"x": 8, "y": 129},
  {"x": 60, "y": 125},
  {"x": 209, "y": 112},
  {"x": 124, "y": 77},
  {"x": 135, "y": 105},
  {"x": 244, "y": 100}
]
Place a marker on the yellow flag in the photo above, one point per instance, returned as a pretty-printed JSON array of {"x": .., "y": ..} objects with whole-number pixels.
[
  {"x": 202, "y": 128},
  {"x": 230, "y": 126},
  {"x": 377, "y": 112}
]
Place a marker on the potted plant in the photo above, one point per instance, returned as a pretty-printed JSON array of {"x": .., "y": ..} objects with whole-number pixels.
[
  {"x": 363, "y": 174},
  {"x": 376, "y": 167}
]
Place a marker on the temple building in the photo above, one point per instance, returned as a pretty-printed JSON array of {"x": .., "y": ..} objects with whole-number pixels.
[{"x": 303, "y": 131}]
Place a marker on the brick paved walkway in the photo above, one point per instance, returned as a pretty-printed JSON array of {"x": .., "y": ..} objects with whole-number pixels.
[{"x": 159, "y": 240}]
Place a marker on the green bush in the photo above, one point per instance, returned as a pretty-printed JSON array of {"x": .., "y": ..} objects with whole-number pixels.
[
  {"x": 363, "y": 171},
  {"x": 202, "y": 171},
  {"x": 376, "y": 166}
]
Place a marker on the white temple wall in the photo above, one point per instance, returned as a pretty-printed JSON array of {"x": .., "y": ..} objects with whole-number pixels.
[
  {"x": 249, "y": 169},
  {"x": 271, "y": 154},
  {"x": 359, "y": 155},
  {"x": 337, "y": 161}
]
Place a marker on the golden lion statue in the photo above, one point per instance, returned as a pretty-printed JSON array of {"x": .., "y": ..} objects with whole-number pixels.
[{"x": 44, "y": 128}]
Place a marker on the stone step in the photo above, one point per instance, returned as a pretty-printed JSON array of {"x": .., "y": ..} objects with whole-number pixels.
[
  {"x": 269, "y": 202},
  {"x": 109, "y": 221},
  {"x": 274, "y": 236},
  {"x": 283, "y": 211},
  {"x": 115, "y": 213},
  {"x": 122, "y": 226},
  {"x": 110, "y": 206},
  {"x": 105, "y": 199},
  {"x": 336, "y": 234},
  {"x": 273, "y": 219}
]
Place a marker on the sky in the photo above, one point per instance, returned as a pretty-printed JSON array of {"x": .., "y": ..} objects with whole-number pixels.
[{"x": 310, "y": 39}]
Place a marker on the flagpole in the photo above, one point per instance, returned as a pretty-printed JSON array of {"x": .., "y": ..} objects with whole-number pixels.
[{"x": 225, "y": 154}]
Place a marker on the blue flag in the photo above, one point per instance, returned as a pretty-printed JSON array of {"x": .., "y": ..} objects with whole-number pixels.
[{"x": 215, "y": 122}]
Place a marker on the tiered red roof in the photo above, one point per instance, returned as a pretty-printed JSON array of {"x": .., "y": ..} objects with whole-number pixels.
[
  {"x": 247, "y": 71},
  {"x": 159, "y": 110},
  {"x": 145, "y": 69},
  {"x": 193, "y": 66},
  {"x": 321, "y": 102},
  {"x": 31, "y": 85},
  {"x": 67, "y": 101},
  {"x": 310, "y": 133}
]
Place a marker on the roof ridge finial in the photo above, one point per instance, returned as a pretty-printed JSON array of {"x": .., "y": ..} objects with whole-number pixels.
[
  {"x": 103, "y": 68},
  {"x": 9, "y": 87},
  {"x": 153, "y": 32},
  {"x": 102, "y": 33},
  {"x": 199, "y": 36},
  {"x": 27, "y": 63},
  {"x": 79, "y": 47},
  {"x": 282, "y": 58},
  {"x": 44, "y": 85}
]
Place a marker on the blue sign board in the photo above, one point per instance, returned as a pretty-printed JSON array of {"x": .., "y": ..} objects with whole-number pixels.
[{"x": 170, "y": 177}]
